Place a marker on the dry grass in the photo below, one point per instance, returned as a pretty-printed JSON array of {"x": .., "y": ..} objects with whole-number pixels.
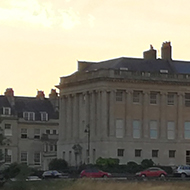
[
  {"x": 101, "y": 185},
  {"x": 108, "y": 185}
]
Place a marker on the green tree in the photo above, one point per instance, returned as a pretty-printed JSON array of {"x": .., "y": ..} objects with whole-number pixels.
[
  {"x": 146, "y": 163},
  {"x": 58, "y": 164}
]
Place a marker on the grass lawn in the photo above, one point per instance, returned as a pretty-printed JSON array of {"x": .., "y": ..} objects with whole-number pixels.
[{"x": 97, "y": 185}]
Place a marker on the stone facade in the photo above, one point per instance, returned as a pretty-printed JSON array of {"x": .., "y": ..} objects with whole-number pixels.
[
  {"x": 126, "y": 114},
  {"x": 30, "y": 128}
]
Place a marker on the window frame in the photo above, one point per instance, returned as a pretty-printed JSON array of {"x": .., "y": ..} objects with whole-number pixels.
[
  {"x": 25, "y": 160},
  {"x": 38, "y": 134},
  {"x": 187, "y": 99},
  {"x": 44, "y": 116},
  {"x": 172, "y": 153},
  {"x": 155, "y": 153},
  {"x": 5, "y": 109},
  {"x": 136, "y": 97},
  {"x": 37, "y": 158},
  {"x": 24, "y": 133},
  {"x": 170, "y": 130},
  {"x": 187, "y": 130},
  {"x": 119, "y": 128},
  {"x": 10, "y": 130},
  {"x": 119, "y": 96},
  {"x": 153, "y": 128},
  {"x": 153, "y": 98},
  {"x": 137, "y": 129},
  {"x": 138, "y": 153},
  {"x": 170, "y": 99},
  {"x": 29, "y": 116},
  {"x": 120, "y": 152}
]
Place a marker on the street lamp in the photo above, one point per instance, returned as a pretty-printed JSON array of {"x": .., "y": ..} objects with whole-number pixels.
[{"x": 87, "y": 130}]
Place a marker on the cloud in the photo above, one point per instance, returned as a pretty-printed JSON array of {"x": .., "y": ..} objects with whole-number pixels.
[
  {"x": 36, "y": 13},
  {"x": 91, "y": 20}
]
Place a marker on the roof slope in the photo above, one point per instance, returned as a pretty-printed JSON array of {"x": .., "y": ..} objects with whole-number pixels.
[{"x": 142, "y": 65}]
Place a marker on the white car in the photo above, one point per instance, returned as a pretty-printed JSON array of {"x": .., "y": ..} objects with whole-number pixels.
[
  {"x": 51, "y": 174},
  {"x": 33, "y": 178}
]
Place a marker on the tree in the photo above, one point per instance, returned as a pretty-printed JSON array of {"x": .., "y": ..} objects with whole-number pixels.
[
  {"x": 146, "y": 163},
  {"x": 58, "y": 164}
]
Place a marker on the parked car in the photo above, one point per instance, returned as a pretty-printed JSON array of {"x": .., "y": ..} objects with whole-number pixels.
[
  {"x": 94, "y": 173},
  {"x": 152, "y": 172},
  {"x": 182, "y": 171},
  {"x": 33, "y": 178},
  {"x": 51, "y": 174}
]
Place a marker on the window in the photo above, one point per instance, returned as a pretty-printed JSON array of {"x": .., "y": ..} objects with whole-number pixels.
[
  {"x": 51, "y": 147},
  {"x": 37, "y": 158},
  {"x": 63, "y": 155},
  {"x": 120, "y": 152},
  {"x": 136, "y": 97},
  {"x": 55, "y": 147},
  {"x": 119, "y": 96},
  {"x": 8, "y": 130},
  {"x": 187, "y": 99},
  {"x": 54, "y": 132},
  {"x": 136, "y": 129},
  {"x": 153, "y": 130},
  {"x": 29, "y": 116},
  {"x": 37, "y": 133},
  {"x": 48, "y": 131},
  {"x": 187, "y": 130},
  {"x": 171, "y": 130},
  {"x": 24, "y": 133},
  {"x": 187, "y": 157},
  {"x": 8, "y": 155},
  {"x": 171, "y": 98},
  {"x": 24, "y": 157},
  {"x": 138, "y": 152},
  {"x": 6, "y": 111},
  {"x": 171, "y": 153},
  {"x": 44, "y": 116},
  {"x": 119, "y": 128},
  {"x": 154, "y": 153},
  {"x": 153, "y": 97}
]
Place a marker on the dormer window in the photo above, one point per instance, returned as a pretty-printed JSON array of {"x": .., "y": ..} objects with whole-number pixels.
[
  {"x": 44, "y": 116},
  {"x": 29, "y": 116},
  {"x": 6, "y": 111}
]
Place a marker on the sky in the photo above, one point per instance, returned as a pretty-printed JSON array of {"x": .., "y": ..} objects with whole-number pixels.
[{"x": 42, "y": 40}]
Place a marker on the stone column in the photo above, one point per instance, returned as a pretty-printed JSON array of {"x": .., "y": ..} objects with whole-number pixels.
[
  {"x": 62, "y": 120},
  {"x": 179, "y": 130},
  {"x": 163, "y": 126},
  {"x": 145, "y": 124},
  {"x": 104, "y": 114},
  {"x": 69, "y": 117},
  {"x": 99, "y": 112},
  {"x": 75, "y": 117},
  {"x": 81, "y": 116},
  {"x": 128, "y": 114},
  {"x": 92, "y": 114},
  {"x": 112, "y": 114}
]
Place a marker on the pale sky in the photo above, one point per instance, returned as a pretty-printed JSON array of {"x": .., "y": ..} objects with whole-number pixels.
[{"x": 41, "y": 40}]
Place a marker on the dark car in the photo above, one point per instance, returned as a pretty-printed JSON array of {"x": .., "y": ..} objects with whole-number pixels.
[
  {"x": 152, "y": 172},
  {"x": 51, "y": 174},
  {"x": 94, "y": 173}
]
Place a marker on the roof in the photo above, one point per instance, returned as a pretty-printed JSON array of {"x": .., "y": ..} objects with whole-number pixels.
[
  {"x": 29, "y": 104},
  {"x": 142, "y": 65}
]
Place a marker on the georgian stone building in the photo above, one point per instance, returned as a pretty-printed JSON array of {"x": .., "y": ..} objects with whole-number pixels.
[
  {"x": 30, "y": 128},
  {"x": 127, "y": 108}
]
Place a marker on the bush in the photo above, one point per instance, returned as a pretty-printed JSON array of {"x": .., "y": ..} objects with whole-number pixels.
[
  {"x": 133, "y": 167},
  {"x": 108, "y": 162},
  {"x": 58, "y": 164},
  {"x": 146, "y": 163}
]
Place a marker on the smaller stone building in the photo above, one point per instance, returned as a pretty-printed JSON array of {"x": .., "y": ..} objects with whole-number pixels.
[{"x": 30, "y": 128}]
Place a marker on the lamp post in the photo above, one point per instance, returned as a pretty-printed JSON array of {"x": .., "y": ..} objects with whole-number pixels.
[{"x": 87, "y": 130}]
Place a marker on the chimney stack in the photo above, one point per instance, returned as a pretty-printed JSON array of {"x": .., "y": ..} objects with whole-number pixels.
[
  {"x": 40, "y": 95},
  {"x": 166, "y": 51},
  {"x": 54, "y": 99},
  {"x": 9, "y": 93},
  {"x": 150, "y": 54}
]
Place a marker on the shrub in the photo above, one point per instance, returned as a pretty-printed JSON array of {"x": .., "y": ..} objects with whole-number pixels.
[
  {"x": 146, "y": 163},
  {"x": 58, "y": 164},
  {"x": 108, "y": 162}
]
